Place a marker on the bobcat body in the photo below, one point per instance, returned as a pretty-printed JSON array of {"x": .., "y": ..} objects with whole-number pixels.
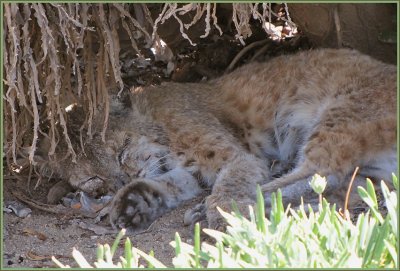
[{"x": 275, "y": 124}]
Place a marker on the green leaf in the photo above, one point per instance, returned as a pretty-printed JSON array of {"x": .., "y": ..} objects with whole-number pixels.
[
  {"x": 235, "y": 208},
  {"x": 371, "y": 192},
  {"x": 380, "y": 244},
  {"x": 369, "y": 197},
  {"x": 260, "y": 208},
  {"x": 340, "y": 263},
  {"x": 279, "y": 205},
  {"x": 177, "y": 244},
  {"x": 197, "y": 245},
  {"x": 151, "y": 254},
  {"x": 323, "y": 212},
  {"x": 80, "y": 260},
  {"x": 150, "y": 260},
  {"x": 285, "y": 253},
  {"x": 362, "y": 226},
  {"x": 277, "y": 211},
  {"x": 252, "y": 215},
  {"x": 116, "y": 241},
  {"x": 393, "y": 253},
  {"x": 395, "y": 182},
  {"x": 391, "y": 205},
  {"x": 128, "y": 253},
  {"x": 100, "y": 252},
  {"x": 107, "y": 253},
  {"x": 370, "y": 247}
]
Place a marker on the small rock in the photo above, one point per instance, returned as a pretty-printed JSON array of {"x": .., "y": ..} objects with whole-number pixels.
[{"x": 18, "y": 208}]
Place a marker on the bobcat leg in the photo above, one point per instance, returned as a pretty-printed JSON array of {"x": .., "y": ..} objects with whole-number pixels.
[
  {"x": 237, "y": 183},
  {"x": 335, "y": 152},
  {"x": 140, "y": 202}
]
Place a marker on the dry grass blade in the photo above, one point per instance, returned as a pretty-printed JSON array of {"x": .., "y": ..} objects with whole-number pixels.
[{"x": 346, "y": 202}]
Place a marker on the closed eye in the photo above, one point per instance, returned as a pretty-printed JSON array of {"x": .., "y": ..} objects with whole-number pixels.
[{"x": 139, "y": 172}]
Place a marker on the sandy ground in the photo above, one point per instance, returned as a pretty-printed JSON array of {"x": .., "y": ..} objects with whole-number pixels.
[{"x": 30, "y": 242}]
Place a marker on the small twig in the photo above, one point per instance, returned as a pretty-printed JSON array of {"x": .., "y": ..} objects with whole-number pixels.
[
  {"x": 244, "y": 51},
  {"x": 29, "y": 179},
  {"x": 149, "y": 229},
  {"x": 55, "y": 209},
  {"x": 346, "y": 202}
]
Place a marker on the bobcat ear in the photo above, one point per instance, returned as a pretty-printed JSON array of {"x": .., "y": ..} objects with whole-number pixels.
[
  {"x": 125, "y": 99},
  {"x": 119, "y": 103}
]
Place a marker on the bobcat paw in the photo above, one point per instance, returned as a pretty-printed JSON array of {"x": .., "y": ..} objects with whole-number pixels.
[
  {"x": 196, "y": 215},
  {"x": 137, "y": 205},
  {"x": 201, "y": 214}
]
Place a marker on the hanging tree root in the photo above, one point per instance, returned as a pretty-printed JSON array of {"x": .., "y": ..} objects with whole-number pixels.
[
  {"x": 56, "y": 55},
  {"x": 42, "y": 78}
]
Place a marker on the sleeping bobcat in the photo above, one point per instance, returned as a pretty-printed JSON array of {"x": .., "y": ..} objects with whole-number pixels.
[{"x": 275, "y": 124}]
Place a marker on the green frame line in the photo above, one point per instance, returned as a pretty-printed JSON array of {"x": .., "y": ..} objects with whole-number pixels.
[
  {"x": 1, "y": 138},
  {"x": 398, "y": 115},
  {"x": 2, "y": 267}
]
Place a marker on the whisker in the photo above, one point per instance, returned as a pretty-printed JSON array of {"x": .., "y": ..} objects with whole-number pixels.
[
  {"x": 154, "y": 165},
  {"x": 158, "y": 160},
  {"x": 153, "y": 170}
]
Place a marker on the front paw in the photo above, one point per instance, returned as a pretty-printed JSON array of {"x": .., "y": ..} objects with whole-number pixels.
[
  {"x": 137, "y": 205},
  {"x": 195, "y": 215}
]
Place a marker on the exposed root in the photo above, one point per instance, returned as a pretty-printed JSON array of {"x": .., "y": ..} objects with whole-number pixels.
[
  {"x": 338, "y": 27},
  {"x": 243, "y": 52},
  {"x": 260, "y": 52}
]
